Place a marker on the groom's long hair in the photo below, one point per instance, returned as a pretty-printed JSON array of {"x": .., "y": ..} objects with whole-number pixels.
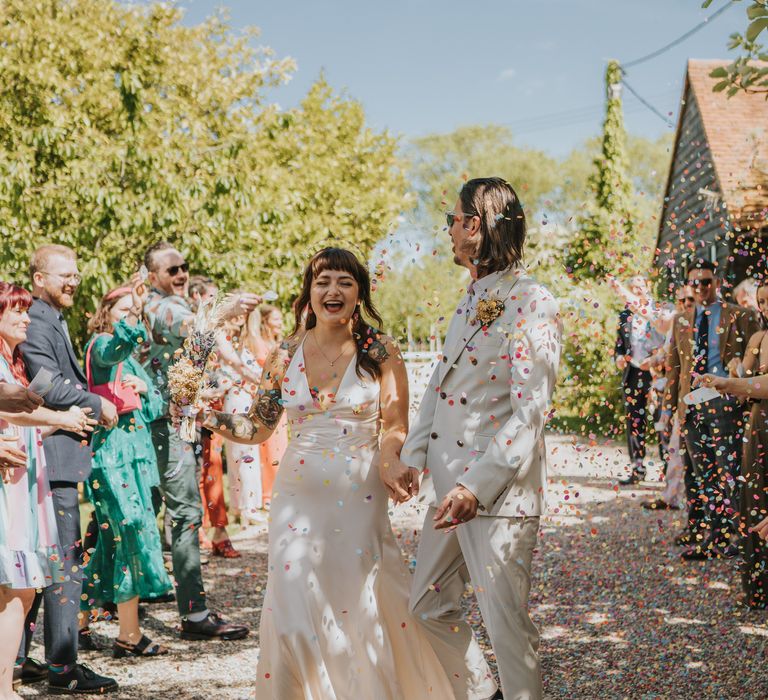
[
  {"x": 502, "y": 222},
  {"x": 340, "y": 259}
]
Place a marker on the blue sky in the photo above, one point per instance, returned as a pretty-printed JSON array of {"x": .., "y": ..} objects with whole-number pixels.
[{"x": 422, "y": 66}]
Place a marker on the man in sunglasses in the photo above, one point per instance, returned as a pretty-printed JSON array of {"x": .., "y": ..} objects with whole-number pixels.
[
  {"x": 711, "y": 338},
  {"x": 170, "y": 316}
]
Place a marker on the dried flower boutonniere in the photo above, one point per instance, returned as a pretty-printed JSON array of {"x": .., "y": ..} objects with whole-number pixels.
[{"x": 488, "y": 310}]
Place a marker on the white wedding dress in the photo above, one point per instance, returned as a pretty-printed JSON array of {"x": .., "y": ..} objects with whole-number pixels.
[{"x": 335, "y": 623}]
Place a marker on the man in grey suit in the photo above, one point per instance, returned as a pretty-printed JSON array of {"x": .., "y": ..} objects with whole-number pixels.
[
  {"x": 55, "y": 278},
  {"x": 479, "y": 438}
]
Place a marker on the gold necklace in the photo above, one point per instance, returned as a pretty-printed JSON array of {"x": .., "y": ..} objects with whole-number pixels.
[{"x": 335, "y": 359}]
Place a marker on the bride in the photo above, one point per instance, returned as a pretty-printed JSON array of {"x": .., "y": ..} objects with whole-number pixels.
[{"x": 335, "y": 623}]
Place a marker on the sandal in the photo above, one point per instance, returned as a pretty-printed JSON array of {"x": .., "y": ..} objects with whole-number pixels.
[
  {"x": 225, "y": 549},
  {"x": 145, "y": 647}
]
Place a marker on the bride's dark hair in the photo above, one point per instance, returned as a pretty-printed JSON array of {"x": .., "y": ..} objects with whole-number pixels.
[{"x": 341, "y": 260}]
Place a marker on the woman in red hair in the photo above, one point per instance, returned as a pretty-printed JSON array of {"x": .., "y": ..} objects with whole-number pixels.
[{"x": 30, "y": 557}]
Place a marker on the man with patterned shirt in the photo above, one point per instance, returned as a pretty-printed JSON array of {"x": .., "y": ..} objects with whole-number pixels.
[{"x": 170, "y": 317}]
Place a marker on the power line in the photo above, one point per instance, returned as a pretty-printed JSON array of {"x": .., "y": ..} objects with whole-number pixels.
[
  {"x": 680, "y": 39},
  {"x": 653, "y": 109},
  {"x": 567, "y": 117}
]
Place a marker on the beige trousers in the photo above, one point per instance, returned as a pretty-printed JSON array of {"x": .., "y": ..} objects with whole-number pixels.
[{"x": 494, "y": 554}]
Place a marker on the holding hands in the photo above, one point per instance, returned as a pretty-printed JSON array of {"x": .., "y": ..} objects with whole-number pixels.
[{"x": 401, "y": 481}]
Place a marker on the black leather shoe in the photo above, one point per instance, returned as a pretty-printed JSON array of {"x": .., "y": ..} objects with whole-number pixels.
[
  {"x": 634, "y": 478},
  {"x": 212, "y": 627},
  {"x": 31, "y": 671},
  {"x": 497, "y": 695},
  {"x": 86, "y": 642},
  {"x": 81, "y": 680}
]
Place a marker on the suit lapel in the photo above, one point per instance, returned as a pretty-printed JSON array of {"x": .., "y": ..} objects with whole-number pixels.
[
  {"x": 466, "y": 331},
  {"x": 52, "y": 317}
]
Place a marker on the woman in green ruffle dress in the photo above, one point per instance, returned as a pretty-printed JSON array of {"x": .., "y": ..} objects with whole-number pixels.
[{"x": 127, "y": 563}]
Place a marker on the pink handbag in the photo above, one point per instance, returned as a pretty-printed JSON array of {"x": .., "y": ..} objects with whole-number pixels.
[{"x": 124, "y": 397}]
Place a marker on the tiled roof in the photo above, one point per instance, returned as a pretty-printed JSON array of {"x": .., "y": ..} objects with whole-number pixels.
[{"x": 737, "y": 133}]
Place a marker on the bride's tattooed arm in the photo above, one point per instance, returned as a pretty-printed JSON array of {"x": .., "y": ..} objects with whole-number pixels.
[{"x": 261, "y": 420}]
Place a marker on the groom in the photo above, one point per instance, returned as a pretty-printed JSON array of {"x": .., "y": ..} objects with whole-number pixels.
[{"x": 479, "y": 437}]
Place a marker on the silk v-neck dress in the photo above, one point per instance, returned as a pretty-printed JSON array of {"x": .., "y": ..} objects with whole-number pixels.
[{"x": 335, "y": 623}]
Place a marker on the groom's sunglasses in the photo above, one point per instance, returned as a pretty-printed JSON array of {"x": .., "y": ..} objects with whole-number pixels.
[
  {"x": 451, "y": 216},
  {"x": 173, "y": 270}
]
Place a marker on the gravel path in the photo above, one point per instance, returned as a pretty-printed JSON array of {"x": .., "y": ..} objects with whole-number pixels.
[{"x": 621, "y": 615}]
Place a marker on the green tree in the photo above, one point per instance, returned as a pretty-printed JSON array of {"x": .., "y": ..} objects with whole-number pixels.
[
  {"x": 606, "y": 227},
  {"x": 744, "y": 73},
  {"x": 441, "y": 162},
  {"x": 418, "y": 299},
  {"x": 120, "y": 126}
]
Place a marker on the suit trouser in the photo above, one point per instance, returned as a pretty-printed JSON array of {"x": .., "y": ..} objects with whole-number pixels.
[
  {"x": 495, "y": 555},
  {"x": 179, "y": 482},
  {"x": 62, "y": 600},
  {"x": 637, "y": 386},
  {"x": 712, "y": 434}
]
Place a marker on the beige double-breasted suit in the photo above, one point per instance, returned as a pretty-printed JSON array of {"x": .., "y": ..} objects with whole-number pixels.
[{"x": 480, "y": 424}]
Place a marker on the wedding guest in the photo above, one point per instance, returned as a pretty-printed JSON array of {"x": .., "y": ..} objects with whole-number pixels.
[
  {"x": 271, "y": 451},
  {"x": 636, "y": 341},
  {"x": 712, "y": 338},
  {"x": 128, "y": 561},
  {"x": 30, "y": 556},
  {"x": 244, "y": 461},
  {"x": 745, "y": 294},
  {"x": 55, "y": 279},
  {"x": 674, "y": 495},
  {"x": 753, "y": 510},
  {"x": 170, "y": 318},
  {"x": 203, "y": 290}
]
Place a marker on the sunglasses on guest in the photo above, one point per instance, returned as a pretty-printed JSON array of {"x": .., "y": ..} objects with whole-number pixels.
[
  {"x": 682, "y": 300},
  {"x": 173, "y": 270},
  {"x": 706, "y": 282}
]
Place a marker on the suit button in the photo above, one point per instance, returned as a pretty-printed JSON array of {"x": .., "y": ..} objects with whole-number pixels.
[
  {"x": 460, "y": 443},
  {"x": 463, "y": 400},
  {"x": 443, "y": 394},
  {"x": 433, "y": 436}
]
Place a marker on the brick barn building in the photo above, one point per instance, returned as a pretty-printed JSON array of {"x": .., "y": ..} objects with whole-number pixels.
[{"x": 716, "y": 199}]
